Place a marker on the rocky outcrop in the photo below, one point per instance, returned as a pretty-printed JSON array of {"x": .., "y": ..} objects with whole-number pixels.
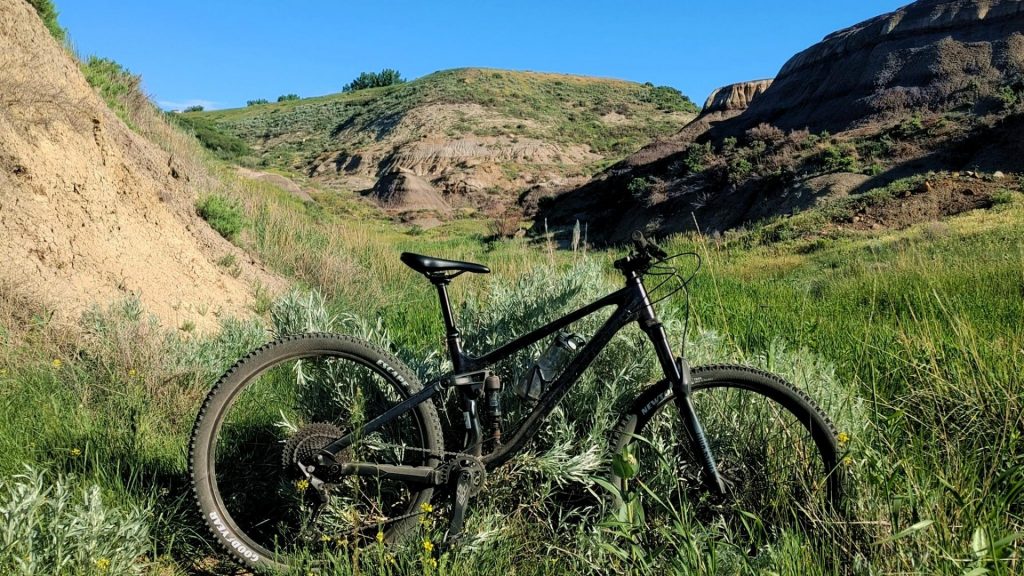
[
  {"x": 404, "y": 191},
  {"x": 925, "y": 59},
  {"x": 932, "y": 54},
  {"x": 734, "y": 97},
  {"x": 723, "y": 104}
]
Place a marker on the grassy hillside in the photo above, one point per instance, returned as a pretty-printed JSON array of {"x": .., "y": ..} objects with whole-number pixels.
[
  {"x": 564, "y": 109},
  {"x": 479, "y": 137}
]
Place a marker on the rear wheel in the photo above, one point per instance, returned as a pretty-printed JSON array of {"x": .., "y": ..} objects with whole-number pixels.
[
  {"x": 279, "y": 406},
  {"x": 776, "y": 451}
]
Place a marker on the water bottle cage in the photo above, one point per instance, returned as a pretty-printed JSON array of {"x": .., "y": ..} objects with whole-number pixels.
[{"x": 550, "y": 362}]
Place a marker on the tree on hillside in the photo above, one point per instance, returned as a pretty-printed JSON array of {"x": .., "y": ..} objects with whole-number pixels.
[
  {"x": 385, "y": 77},
  {"x": 287, "y": 97},
  {"x": 257, "y": 102},
  {"x": 196, "y": 108}
]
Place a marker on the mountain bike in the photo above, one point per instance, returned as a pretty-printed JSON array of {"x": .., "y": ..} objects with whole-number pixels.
[{"x": 318, "y": 439}]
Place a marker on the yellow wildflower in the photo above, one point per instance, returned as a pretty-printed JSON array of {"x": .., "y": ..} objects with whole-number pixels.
[
  {"x": 75, "y": 452},
  {"x": 847, "y": 461},
  {"x": 302, "y": 485},
  {"x": 428, "y": 546},
  {"x": 325, "y": 538},
  {"x": 56, "y": 363},
  {"x": 432, "y": 562},
  {"x": 132, "y": 373},
  {"x": 380, "y": 537},
  {"x": 426, "y": 508},
  {"x": 843, "y": 437},
  {"x": 103, "y": 564}
]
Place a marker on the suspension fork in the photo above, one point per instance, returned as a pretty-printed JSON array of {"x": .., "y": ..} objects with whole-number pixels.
[{"x": 677, "y": 370}]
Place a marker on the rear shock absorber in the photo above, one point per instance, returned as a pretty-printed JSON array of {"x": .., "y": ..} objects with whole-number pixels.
[{"x": 492, "y": 397}]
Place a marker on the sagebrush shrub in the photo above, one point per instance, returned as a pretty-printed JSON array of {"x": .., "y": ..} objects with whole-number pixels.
[
  {"x": 223, "y": 215},
  {"x": 51, "y": 527}
]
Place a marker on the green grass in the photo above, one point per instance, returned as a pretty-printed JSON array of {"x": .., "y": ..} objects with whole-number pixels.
[
  {"x": 118, "y": 87},
  {"x": 48, "y": 14},
  {"x": 911, "y": 340}
]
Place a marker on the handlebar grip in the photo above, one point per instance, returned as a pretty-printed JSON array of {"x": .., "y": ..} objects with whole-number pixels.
[{"x": 644, "y": 245}]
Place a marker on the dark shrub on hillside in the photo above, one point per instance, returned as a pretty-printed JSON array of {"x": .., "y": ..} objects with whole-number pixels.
[
  {"x": 766, "y": 133},
  {"x": 839, "y": 158},
  {"x": 697, "y": 157},
  {"x": 638, "y": 188},
  {"x": 287, "y": 97},
  {"x": 196, "y": 108},
  {"x": 385, "y": 77},
  {"x": 257, "y": 102},
  {"x": 667, "y": 98}
]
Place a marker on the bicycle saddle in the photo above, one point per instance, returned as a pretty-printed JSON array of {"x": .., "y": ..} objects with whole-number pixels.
[{"x": 429, "y": 265}]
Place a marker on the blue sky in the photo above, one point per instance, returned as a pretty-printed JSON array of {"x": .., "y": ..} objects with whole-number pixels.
[{"x": 220, "y": 54}]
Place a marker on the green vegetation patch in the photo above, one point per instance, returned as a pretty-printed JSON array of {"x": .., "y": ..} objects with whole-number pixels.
[
  {"x": 48, "y": 13},
  {"x": 386, "y": 77},
  {"x": 116, "y": 85},
  {"x": 223, "y": 214},
  {"x": 225, "y": 145}
]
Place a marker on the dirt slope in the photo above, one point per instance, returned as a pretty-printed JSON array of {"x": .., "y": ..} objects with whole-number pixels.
[{"x": 91, "y": 212}]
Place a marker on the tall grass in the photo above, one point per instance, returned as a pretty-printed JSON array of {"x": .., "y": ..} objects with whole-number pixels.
[{"x": 910, "y": 340}]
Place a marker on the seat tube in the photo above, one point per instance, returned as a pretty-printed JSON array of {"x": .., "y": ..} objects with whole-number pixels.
[{"x": 452, "y": 336}]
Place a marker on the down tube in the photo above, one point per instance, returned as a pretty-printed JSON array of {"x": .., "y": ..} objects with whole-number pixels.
[{"x": 561, "y": 385}]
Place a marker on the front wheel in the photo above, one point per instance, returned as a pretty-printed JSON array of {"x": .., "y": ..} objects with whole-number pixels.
[
  {"x": 274, "y": 410},
  {"x": 775, "y": 450}
]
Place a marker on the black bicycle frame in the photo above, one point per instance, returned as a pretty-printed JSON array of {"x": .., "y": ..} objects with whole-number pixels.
[{"x": 632, "y": 304}]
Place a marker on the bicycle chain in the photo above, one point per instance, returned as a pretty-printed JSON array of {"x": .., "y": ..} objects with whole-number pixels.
[{"x": 451, "y": 465}]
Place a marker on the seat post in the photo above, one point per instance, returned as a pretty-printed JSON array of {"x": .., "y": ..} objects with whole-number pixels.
[{"x": 452, "y": 336}]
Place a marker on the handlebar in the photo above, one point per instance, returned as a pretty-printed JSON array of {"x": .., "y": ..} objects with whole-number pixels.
[
  {"x": 644, "y": 246},
  {"x": 643, "y": 254}
]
